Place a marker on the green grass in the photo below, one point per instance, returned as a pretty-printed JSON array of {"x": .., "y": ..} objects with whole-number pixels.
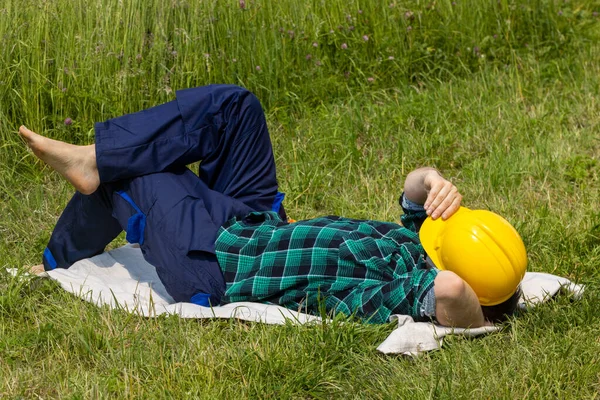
[{"x": 510, "y": 111}]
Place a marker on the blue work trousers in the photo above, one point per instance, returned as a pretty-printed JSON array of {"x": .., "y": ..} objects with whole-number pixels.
[{"x": 147, "y": 190}]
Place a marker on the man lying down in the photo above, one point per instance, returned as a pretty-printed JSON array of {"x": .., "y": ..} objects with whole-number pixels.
[{"x": 222, "y": 236}]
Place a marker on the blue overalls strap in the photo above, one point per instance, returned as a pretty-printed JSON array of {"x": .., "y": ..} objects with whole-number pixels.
[
  {"x": 50, "y": 258},
  {"x": 277, "y": 202},
  {"x": 136, "y": 223},
  {"x": 201, "y": 299}
]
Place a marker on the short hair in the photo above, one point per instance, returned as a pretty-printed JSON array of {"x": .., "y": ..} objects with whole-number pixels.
[{"x": 501, "y": 312}]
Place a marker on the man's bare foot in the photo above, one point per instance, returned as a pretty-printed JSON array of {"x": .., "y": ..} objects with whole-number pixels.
[
  {"x": 77, "y": 164},
  {"x": 36, "y": 269}
]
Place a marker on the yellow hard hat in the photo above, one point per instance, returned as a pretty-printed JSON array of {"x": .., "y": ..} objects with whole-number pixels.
[{"x": 482, "y": 248}]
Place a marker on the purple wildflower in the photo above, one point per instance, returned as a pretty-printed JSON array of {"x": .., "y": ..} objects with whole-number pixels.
[
  {"x": 360, "y": 11},
  {"x": 138, "y": 58},
  {"x": 206, "y": 55},
  {"x": 365, "y": 38},
  {"x": 351, "y": 28},
  {"x": 476, "y": 50},
  {"x": 64, "y": 90},
  {"x": 409, "y": 28},
  {"x": 560, "y": 12},
  {"x": 318, "y": 63},
  {"x": 308, "y": 56},
  {"x": 258, "y": 68},
  {"x": 68, "y": 121},
  {"x": 495, "y": 36},
  {"x": 344, "y": 46},
  {"x": 174, "y": 53},
  {"x": 370, "y": 79},
  {"x": 595, "y": 13},
  {"x": 243, "y": 4},
  {"x": 315, "y": 44},
  {"x": 409, "y": 15}
]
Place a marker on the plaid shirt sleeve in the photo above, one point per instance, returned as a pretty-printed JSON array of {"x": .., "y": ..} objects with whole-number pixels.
[
  {"x": 369, "y": 269},
  {"x": 413, "y": 214}
]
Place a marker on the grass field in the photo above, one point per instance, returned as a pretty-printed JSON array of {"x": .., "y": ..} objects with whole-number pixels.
[{"x": 501, "y": 96}]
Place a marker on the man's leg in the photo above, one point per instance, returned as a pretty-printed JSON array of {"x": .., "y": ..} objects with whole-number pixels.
[
  {"x": 241, "y": 164},
  {"x": 183, "y": 217},
  {"x": 222, "y": 125},
  {"x": 173, "y": 216},
  {"x": 83, "y": 230}
]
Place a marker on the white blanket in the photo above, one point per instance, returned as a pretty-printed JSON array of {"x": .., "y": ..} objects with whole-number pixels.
[{"x": 122, "y": 279}]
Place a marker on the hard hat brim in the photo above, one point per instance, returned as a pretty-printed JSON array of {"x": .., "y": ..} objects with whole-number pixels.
[{"x": 430, "y": 236}]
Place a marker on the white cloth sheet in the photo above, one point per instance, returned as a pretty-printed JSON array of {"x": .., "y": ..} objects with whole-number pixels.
[{"x": 122, "y": 279}]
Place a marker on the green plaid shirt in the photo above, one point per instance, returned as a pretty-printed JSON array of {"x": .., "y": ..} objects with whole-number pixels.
[{"x": 369, "y": 269}]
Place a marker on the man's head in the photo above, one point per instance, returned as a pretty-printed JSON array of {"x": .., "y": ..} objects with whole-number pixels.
[{"x": 483, "y": 249}]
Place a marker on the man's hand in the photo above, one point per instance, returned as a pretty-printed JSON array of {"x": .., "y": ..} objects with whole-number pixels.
[
  {"x": 443, "y": 198},
  {"x": 427, "y": 186}
]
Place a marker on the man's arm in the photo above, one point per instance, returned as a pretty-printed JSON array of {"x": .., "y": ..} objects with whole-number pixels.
[
  {"x": 456, "y": 304},
  {"x": 427, "y": 186}
]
